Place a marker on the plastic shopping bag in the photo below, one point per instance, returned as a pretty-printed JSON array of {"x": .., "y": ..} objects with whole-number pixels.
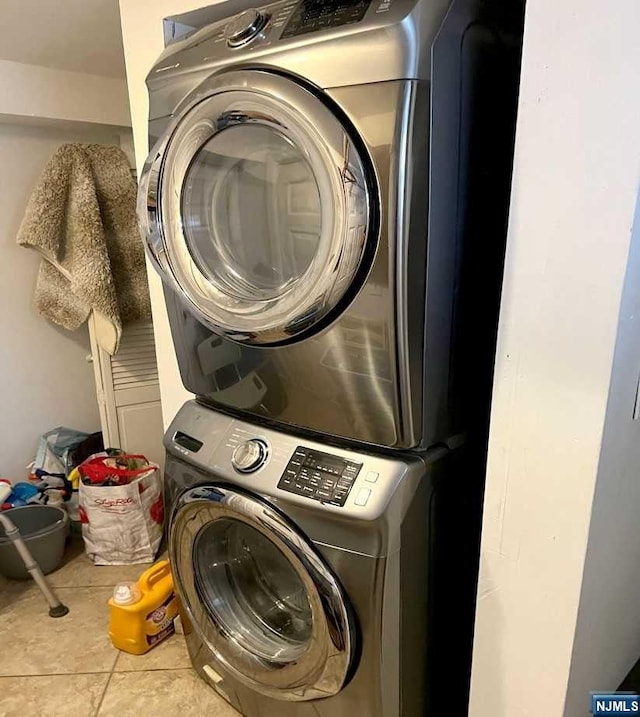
[
  {"x": 55, "y": 447},
  {"x": 122, "y": 523}
]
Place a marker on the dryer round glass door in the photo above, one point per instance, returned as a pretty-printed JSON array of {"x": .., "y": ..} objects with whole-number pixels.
[
  {"x": 260, "y": 209},
  {"x": 251, "y": 212},
  {"x": 259, "y": 595}
]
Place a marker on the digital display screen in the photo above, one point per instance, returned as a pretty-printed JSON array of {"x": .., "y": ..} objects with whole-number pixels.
[
  {"x": 325, "y": 462},
  {"x": 312, "y": 15}
]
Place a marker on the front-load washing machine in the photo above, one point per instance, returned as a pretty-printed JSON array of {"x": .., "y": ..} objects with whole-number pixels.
[
  {"x": 304, "y": 569},
  {"x": 326, "y": 202}
]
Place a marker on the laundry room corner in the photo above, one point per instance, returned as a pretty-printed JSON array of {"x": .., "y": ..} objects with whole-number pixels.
[
  {"x": 47, "y": 375},
  {"x": 320, "y": 368},
  {"x": 69, "y": 383}
]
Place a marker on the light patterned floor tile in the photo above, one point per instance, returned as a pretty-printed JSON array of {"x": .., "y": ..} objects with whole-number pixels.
[
  {"x": 51, "y": 695},
  {"x": 170, "y": 693},
  {"x": 12, "y": 590},
  {"x": 170, "y": 654},
  {"x": 35, "y": 644}
]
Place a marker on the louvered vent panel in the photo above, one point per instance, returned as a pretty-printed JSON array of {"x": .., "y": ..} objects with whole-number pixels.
[{"x": 135, "y": 363}]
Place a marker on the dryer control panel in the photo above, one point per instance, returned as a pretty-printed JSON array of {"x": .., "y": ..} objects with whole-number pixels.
[{"x": 321, "y": 476}]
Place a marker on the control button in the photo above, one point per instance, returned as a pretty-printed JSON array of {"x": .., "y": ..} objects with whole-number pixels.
[
  {"x": 249, "y": 455},
  {"x": 324, "y": 494},
  {"x": 372, "y": 477},
  {"x": 245, "y": 27},
  {"x": 363, "y": 496}
]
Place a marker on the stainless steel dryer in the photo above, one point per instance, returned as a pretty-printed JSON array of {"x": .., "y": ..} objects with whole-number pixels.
[
  {"x": 326, "y": 202},
  {"x": 304, "y": 568}
]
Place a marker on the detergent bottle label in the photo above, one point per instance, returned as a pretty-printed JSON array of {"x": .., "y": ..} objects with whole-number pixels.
[{"x": 159, "y": 623}]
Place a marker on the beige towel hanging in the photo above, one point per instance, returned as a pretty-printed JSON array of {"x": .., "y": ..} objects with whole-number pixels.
[{"x": 81, "y": 218}]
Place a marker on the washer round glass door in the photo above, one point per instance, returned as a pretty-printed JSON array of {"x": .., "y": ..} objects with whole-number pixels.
[
  {"x": 259, "y": 595},
  {"x": 258, "y": 207}
]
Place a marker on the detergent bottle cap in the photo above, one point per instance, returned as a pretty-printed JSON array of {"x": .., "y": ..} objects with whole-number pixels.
[{"x": 126, "y": 594}]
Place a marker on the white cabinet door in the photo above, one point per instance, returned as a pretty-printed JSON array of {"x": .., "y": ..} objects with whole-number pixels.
[{"x": 129, "y": 392}]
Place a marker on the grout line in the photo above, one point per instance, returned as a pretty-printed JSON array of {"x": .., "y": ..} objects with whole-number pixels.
[
  {"x": 53, "y": 674},
  {"x": 110, "y": 586},
  {"x": 115, "y": 662},
  {"x": 98, "y": 672},
  {"x": 102, "y": 696},
  {"x": 153, "y": 669},
  {"x": 108, "y": 682}
]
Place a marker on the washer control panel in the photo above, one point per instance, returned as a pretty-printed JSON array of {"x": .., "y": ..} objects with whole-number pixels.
[
  {"x": 289, "y": 469},
  {"x": 321, "y": 476}
]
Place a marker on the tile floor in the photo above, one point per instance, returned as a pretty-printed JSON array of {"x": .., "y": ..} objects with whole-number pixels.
[{"x": 67, "y": 666}]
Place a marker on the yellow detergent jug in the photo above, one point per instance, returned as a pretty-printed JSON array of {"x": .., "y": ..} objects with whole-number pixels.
[{"x": 142, "y": 614}]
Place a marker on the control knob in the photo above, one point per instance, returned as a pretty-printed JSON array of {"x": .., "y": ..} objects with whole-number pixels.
[
  {"x": 249, "y": 455},
  {"x": 244, "y": 27}
]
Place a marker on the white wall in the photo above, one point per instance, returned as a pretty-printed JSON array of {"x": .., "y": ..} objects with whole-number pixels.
[
  {"x": 45, "y": 380},
  {"x": 142, "y": 33},
  {"x": 44, "y": 93},
  {"x": 607, "y": 642},
  {"x": 576, "y": 177}
]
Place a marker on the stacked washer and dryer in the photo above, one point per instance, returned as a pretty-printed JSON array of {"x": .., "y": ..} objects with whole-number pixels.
[{"x": 326, "y": 202}]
